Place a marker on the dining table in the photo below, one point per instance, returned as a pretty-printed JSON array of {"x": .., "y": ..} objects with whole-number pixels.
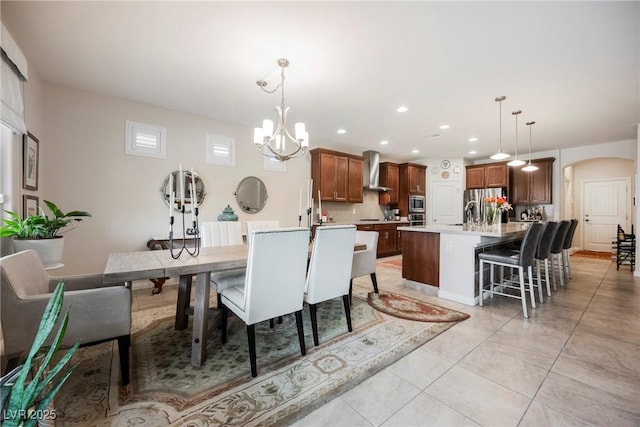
[{"x": 142, "y": 265}]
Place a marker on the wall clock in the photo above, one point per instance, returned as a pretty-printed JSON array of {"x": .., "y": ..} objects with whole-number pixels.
[
  {"x": 445, "y": 164},
  {"x": 456, "y": 169}
]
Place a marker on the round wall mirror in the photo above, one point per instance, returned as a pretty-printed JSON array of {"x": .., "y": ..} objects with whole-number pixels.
[
  {"x": 181, "y": 187},
  {"x": 251, "y": 194}
]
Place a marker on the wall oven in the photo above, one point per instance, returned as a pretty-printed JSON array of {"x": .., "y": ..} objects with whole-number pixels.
[
  {"x": 416, "y": 204},
  {"x": 416, "y": 219}
]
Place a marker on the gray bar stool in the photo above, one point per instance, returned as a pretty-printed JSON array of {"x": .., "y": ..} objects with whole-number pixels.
[
  {"x": 525, "y": 258},
  {"x": 568, "y": 241},
  {"x": 542, "y": 254},
  {"x": 556, "y": 252}
]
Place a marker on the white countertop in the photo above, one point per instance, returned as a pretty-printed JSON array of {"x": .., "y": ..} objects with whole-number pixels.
[
  {"x": 359, "y": 222},
  {"x": 501, "y": 230}
]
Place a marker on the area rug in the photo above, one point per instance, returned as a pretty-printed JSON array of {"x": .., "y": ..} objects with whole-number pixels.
[
  {"x": 593, "y": 254},
  {"x": 413, "y": 309},
  {"x": 166, "y": 390},
  {"x": 394, "y": 263}
]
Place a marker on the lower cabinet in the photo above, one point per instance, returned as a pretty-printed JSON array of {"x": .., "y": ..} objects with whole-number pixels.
[{"x": 389, "y": 239}]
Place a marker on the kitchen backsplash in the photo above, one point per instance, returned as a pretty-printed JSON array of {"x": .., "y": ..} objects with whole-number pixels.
[{"x": 344, "y": 212}]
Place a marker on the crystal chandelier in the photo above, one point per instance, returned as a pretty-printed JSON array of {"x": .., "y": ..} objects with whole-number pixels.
[
  {"x": 500, "y": 155},
  {"x": 279, "y": 143}
]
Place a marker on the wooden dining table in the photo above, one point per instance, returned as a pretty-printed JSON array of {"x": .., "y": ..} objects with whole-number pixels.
[{"x": 141, "y": 265}]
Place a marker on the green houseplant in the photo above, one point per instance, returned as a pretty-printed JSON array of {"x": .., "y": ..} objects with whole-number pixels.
[
  {"x": 29, "y": 400},
  {"x": 41, "y": 232}
]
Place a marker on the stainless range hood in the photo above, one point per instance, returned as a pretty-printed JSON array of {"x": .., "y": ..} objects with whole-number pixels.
[{"x": 371, "y": 179}]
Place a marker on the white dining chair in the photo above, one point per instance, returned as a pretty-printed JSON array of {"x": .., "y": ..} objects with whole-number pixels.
[
  {"x": 273, "y": 285},
  {"x": 364, "y": 262},
  {"x": 260, "y": 225},
  {"x": 329, "y": 274}
]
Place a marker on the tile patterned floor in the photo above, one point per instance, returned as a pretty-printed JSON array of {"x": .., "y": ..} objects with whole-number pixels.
[{"x": 575, "y": 361}]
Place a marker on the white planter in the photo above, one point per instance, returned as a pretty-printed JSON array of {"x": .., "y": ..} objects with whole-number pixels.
[{"x": 50, "y": 250}]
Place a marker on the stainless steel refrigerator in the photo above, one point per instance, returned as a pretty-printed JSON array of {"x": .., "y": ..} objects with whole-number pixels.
[{"x": 473, "y": 203}]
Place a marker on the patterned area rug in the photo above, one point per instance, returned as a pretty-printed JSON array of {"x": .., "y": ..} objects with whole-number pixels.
[
  {"x": 166, "y": 390},
  {"x": 413, "y": 309},
  {"x": 394, "y": 263}
]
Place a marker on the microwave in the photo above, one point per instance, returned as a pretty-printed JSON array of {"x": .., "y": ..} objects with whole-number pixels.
[{"x": 416, "y": 203}]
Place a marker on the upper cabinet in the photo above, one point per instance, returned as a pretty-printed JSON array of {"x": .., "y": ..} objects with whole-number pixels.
[
  {"x": 389, "y": 177},
  {"x": 337, "y": 175},
  {"x": 487, "y": 175},
  {"x": 413, "y": 178},
  {"x": 532, "y": 188}
]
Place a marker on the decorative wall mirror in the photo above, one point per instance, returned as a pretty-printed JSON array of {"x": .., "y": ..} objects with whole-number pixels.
[
  {"x": 186, "y": 183},
  {"x": 251, "y": 194}
]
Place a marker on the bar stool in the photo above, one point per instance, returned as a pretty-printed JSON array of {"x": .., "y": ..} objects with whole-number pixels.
[
  {"x": 512, "y": 259},
  {"x": 542, "y": 254},
  {"x": 568, "y": 241},
  {"x": 556, "y": 252}
]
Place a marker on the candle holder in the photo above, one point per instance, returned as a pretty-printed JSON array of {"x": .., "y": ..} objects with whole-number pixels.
[{"x": 194, "y": 231}]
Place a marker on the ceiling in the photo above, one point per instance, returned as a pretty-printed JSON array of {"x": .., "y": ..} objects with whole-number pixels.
[{"x": 573, "y": 67}]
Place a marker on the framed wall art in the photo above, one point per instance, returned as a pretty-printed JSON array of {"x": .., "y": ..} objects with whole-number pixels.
[
  {"x": 30, "y": 159},
  {"x": 29, "y": 205}
]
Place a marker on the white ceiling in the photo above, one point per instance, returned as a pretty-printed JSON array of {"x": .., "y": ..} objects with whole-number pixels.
[{"x": 572, "y": 67}]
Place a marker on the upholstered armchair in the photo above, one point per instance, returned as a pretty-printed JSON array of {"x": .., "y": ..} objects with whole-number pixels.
[{"x": 98, "y": 312}]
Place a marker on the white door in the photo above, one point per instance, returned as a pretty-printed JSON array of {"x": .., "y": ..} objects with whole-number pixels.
[
  {"x": 446, "y": 202},
  {"x": 605, "y": 205}
]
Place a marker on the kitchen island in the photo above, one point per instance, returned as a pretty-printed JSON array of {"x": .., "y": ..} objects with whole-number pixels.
[{"x": 446, "y": 256}]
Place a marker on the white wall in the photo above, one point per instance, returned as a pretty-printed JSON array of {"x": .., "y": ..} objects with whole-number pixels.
[{"x": 86, "y": 169}]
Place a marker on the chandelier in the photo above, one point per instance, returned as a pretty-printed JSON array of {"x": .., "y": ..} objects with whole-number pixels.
[
  {"x": 279, "y": 143},
  {"x": 500, "y": 155}
]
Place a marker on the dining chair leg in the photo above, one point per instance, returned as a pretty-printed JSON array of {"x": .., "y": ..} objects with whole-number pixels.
[
  {"x": 251, "y": 337},
  {"x": 314, "y": 323},
  {"x": 350, "y": 290},
  {"x": 124, "y": 343},
  {"x": 271, "y": 323},
  {"x": 347, "y": 311},
  {"x": 375, "y": 282},
  {"x": 224, "y": 313},
  {"x": 303, "y": 349}
]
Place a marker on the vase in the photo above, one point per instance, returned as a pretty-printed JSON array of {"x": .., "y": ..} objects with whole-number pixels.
[{"x": 491, "y": 214}]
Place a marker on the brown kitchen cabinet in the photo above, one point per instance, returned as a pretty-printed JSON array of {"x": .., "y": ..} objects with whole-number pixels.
[
  {"x": 389, "y": 238},
  {"x": 487, "y": 175},
  {"x": 337, "y": 175},
  {"x": 413, "y": 178},
  {"x": 390, "y": 178},
  {"x": 532, "y": 188}
]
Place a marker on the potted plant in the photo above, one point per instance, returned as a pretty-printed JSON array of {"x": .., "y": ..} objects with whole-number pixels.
[
  {"x": 26, "y": 402},
  {"x": 40, "y": 232}
]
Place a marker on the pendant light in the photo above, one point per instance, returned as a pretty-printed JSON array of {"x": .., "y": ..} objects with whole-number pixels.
[
  {"x": 500, "y": 155},
  {"x": 516, "y": 161},
  {"x": 530, "y": 167}
]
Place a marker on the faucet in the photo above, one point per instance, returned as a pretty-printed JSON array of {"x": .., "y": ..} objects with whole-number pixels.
[{"x": 467, "y": 209}]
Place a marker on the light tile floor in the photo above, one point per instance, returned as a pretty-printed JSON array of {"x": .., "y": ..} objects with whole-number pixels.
[{"x": 575, "y": 361}]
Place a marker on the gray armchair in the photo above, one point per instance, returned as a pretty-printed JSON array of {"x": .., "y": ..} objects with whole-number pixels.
[{"x": 98, "y": 312}]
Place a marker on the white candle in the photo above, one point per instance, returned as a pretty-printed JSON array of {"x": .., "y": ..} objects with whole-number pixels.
[
  {"x": 319, "y": 205},
  {"x": 194, "y": 201},
  {"x": 193, "y": 209},
  {"x": 309, "y": 191},
  {"x": 170, "y": 196},
  {"x": 181, "y": 182},
  {"x": 300, "y": 203}
]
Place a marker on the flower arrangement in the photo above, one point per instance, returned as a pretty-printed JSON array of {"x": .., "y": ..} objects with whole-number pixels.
[{"x": 493, "y": 207}]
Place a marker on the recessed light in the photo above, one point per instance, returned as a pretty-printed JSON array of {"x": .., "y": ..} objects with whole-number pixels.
[
  {"x": 342, "y": 131},
  {"x": 384, "y": 142},
  {"x": 415, "y": 151},
  {"x": 473, "y": 139},
  {"x": 444, "y": 127},
  {"x": 473, "y": 152},
  {"x": 402, "y": 109}
]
